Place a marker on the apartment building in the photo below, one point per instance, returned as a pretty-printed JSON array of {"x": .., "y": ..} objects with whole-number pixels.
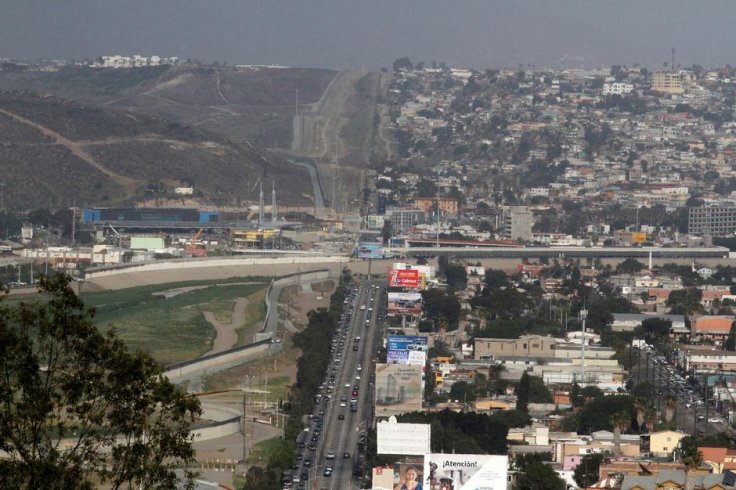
[
  {"x": 517, "y": 223},
  {"x": 712, "y": 220},
  {"x": 668, "y": 82}
]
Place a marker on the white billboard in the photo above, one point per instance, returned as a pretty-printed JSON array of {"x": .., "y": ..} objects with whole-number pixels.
[
  {"x": 465, "y": 472},
  {"x": 406, "y": 439},
  {"x": 398, "y": 389}
]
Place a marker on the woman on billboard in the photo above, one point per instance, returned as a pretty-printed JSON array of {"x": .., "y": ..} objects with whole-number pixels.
[{"x": 410, "y": 480}]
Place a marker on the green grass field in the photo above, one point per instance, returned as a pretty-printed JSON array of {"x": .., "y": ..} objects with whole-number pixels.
[
  {"x": 263, "y": 450},
  {"x": 173, "y": 329}
]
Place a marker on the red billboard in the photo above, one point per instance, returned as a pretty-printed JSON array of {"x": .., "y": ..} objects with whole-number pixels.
[{"x": 405, "y": 278}]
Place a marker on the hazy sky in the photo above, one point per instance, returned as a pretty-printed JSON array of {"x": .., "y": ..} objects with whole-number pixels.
[{"x": 372, "y": 33}]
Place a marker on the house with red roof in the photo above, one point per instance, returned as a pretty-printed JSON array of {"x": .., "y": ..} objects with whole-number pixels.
[{"x": 712, "y": 327}]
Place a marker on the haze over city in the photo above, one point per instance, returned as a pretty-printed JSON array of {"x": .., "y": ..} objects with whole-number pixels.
[
  {"x": 386, "y": 245},
  {"x": 350, "y": 33}
]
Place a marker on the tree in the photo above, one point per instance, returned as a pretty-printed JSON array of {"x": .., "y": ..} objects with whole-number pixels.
[
  {"x": 68, "y": 393},
  {"x": 620, "y": 421},
  {"x": 456, "y": 276},
  {"x": 531, "y": 389},
  {"x": 403, "y": 64},
  {"x": 655, "y": 330},
  {"x": 463, "y": 392},
  {"x": 536, "y": 474},
  {"x": 730, "y": 343},
  {"x": 685, "y": 301},
  {"x": 586, "y": 473}
]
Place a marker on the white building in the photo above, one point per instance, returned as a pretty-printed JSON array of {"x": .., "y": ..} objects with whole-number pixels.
[{"x": 617, "y": 88}]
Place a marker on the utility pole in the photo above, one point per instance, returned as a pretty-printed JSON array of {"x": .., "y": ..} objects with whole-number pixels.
[
  {"x": 583, "y": 316},
  {"x": 245, "y": 442}
]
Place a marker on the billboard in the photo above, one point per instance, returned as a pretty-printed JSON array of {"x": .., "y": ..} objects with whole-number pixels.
[
  {"x": 404, "y": 278},
  {"x": 465, "y": 472},
  {"x": 398, "y": 389},
  {"x": 407, "y": 439},
  {"x": 475, "y": 270},
  {"x": 408, "y": 303},
  {"x": 638, "y": 237},
  {"x": 400, "y": 347},
  {"x": 370, "y": 250},
  {"x": 398, "y": 476}
]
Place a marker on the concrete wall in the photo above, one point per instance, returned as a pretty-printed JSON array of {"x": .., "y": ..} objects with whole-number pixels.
[
  {"x": 226, "y": 422},
  {"x": 236, "y": 355},
  {"x": 167, "y": 265}
]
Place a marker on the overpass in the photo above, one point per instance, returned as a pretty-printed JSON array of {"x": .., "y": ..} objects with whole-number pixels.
[{"x": 561, "y": 252}]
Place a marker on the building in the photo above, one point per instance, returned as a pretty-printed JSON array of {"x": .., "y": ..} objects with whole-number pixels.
[
  {"x": 668, "y": 82},
  {"x": 617, "y": 88},
  {"x": 151, "y": 216},
  {"x": 676, "y": 480},
  {"x": 449, "y": 206},
  {"x": 661, "y": 443},
  {"x": 525, "y": 346},
  {"x": 403, "y": 219},
  {"x": 714, "y": 328},
  {"x": 627, "y": 322},
  {"x": 517, "y": 223},
  {"x": 719, "y": 458},
  {"x": 712, "y": 220},
  {"x": 699, "y": 360}
]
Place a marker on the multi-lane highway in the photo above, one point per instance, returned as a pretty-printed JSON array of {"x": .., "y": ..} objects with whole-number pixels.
[
  {"x": 691, "y": 412},
  {"x": 344, "y": 407}
]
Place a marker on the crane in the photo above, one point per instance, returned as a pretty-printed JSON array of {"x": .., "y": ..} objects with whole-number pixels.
[{"x": 195, "y": 250}]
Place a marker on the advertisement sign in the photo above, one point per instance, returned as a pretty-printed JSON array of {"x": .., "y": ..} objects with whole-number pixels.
[
  {"x": 399, "y": 476},
  {"x": 398, "y": 389},
  {"x": 407, "y": 439},
  {"x": 400, "y": 347},
  {"x": 465, "y": 472},
  {"x": 406, "y": 303},
  {"x": 475, "y": 270},
  {"x": 638, "y": 237},
  {"x": 405, "y": 278},
  {"x": 370, "y": 250},
  {"x": 417, "y": 358}
]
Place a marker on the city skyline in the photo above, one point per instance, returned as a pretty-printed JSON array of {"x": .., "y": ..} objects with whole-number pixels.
[{"x": 333, "y": 34}]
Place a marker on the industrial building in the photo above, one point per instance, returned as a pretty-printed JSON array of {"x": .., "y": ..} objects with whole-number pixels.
[
  {"x": 712, "y": 220},
  {"x": 151, "y": 217}
]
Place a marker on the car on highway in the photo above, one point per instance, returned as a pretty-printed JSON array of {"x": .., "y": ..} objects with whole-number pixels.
[
  {"x": 307, "y": 462},
  {"x": 715, "y": 420},
  {"x": 330, "y": 455},
  {"x": 355, "y": 348},
  {"x": 343, "y": 404},
  {"x": 341, "y": 417},
  {"x": 357, "y": 376},
  {"x": 311, "y": 447},
  {"x": 328, "y": 471}
]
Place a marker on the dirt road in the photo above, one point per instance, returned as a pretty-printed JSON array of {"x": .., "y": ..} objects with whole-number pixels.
[
  {"x": 226, "y": 335},
  {"x": 76, "y": 149}
]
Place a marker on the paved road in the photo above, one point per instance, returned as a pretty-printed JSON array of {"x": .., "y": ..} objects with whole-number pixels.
[
  {"x": 691, "y": 413},
  {"x": 341, "y": 436}
]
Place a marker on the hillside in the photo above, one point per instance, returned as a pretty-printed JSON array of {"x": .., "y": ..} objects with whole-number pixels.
[
  {"x": 54, "y": 152},
  {"x": 244, "y": 104}
]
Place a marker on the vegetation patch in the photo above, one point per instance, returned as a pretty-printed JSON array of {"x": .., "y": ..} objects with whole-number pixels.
[{"x": 174, "y": 329}]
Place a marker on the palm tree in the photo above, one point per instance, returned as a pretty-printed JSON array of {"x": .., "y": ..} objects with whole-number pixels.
[
  {"x": 669, "y": 408},
  {"x": 651, "y": 418},
  {"x": 620, "y": 421},
  {"x": 641, "y": 409}
]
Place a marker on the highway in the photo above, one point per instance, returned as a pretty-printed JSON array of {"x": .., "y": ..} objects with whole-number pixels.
[
  {"x": 349, "y": 386},
  {"x": 692, "y": 414}
]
